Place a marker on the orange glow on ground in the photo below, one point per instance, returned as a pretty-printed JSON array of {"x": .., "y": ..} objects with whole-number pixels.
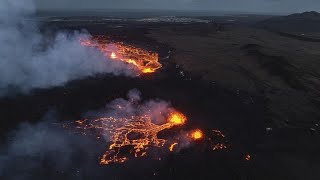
[
  {"x": 113, "y": 55},
  {"x": 172, "y": 146},
  {"x": 177, "y": 118},
  {"x": 137, "y": 136},
  {"x": 145, "y": 61},
  {"x": 139, "y": 132},
  {"x": 147, "y": 70},
  {"x": 197, "y": 134}
]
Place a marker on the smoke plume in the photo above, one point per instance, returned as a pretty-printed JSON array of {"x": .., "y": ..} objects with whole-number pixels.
[
  {"x": 36, "y": 150},
  {"x": 33, "y": 151},
  {"x": 134, "y": 106},
  {"x": 27, "y": 62}
]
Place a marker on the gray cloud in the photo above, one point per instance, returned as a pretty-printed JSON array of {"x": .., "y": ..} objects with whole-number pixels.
[{"x": 232, "y": 5}]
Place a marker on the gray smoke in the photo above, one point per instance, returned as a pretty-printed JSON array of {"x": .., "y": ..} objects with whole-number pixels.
[
  {"x": 25, "y": 64},
  {"x": 37, "y": 150},
  {"x": 134, "y": 106}
]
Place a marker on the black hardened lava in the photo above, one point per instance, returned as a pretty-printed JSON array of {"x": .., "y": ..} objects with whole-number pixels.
[{"x": 207, "y": 105}]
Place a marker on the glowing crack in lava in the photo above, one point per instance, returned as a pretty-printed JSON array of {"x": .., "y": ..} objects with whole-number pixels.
[
  {"x": 145, "y": 61},
  {"x": 138, "y": 132},
  {"x": 137, "y": 136}
]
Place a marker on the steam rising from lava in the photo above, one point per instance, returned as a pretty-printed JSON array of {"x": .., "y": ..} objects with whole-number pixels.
[
  {"x": 126, "y": 129},
  {"x": 129, "y": 123},
  {"x": 138, "y": 132},
  {"x": 131, "y": 128},
  {"x": 28, "y": 62}
]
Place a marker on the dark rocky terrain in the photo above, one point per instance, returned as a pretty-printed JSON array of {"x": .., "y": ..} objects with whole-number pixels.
[
  {"x": 283, "y": 70},
  {"x": 260, "y": 87},
  {"x": 300, "y": 24}
]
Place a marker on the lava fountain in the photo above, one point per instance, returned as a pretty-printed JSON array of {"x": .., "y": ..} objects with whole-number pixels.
[
  {"x": 197, "y": 134},
  {"x": 145, "y": 61}
]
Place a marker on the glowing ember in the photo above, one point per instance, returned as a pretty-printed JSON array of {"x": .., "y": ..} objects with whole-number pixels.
[
  {"x": 248, "y": 157},
  {"x": 177, "y": 118},
  {"x": 219, "y": 146},
  {"x": 113, "y": 55},
  {"x": 218, "y": 133},
  {"x": 145, "y": 61},
  {"x": 197, "y": 134},
  {"x": 147, "y": 70},
  {"x": 172, "y": 146}
]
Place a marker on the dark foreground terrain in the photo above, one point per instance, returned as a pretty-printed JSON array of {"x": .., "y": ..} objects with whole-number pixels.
[{"x": 259, "y": 87}]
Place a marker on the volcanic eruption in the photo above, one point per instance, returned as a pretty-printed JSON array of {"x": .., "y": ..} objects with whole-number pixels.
[
  {"x": 138, "y": 132},
  {"x": 197, "y": 134},
  {"x": 134, "y": 130}
]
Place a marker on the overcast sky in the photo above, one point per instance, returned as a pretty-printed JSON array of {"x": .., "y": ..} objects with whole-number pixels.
[{"x": 229, "y": 5}]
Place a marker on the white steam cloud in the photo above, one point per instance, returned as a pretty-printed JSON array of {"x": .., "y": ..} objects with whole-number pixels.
[
  {"x": 133, "y": 106},
  {"x": 27, "y": 62}
]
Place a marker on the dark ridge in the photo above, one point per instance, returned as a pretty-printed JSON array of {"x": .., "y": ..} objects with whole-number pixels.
[
  {"x": 307, "y": 14},
  {"x": 307, "y": 22},
  {"x": 298, "y": 37}
]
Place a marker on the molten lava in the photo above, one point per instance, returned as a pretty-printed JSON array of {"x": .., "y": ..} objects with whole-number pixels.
[
  {"x": 138, "y": 132},
  {"x": 145, "y": 61},
  {"x": 177, "y": 118},
  {"x": 172, "y": 146},
  {"x": 137, "y": 136},
  {"x": 197, "y": 134},
  {"x": 113, "y": 55}
]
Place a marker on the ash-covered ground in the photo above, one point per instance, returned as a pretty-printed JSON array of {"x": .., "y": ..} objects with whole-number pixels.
[{"x": 254, "y": 85}]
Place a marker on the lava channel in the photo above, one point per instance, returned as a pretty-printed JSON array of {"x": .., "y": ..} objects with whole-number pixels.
[
  {"x": 145, "y": 61},
  {"x": 136, "y": 136}
]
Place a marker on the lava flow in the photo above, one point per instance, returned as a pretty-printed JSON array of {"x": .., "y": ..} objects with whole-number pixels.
[
  {"x": 137, "y": 136},
  {"x": 138, "y": 132},
  {"x": 145, "y": 61}
]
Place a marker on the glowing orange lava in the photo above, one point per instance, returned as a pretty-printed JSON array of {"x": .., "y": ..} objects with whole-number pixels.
[
  {"x": 138, "y": 132},
  {"x": 113, "y": 55},
  {"x": 197, "y": 134},
  {"x": 137, "y": 136},
  {"x": 172, "y": 146},
  {"x": 145, "y": 61},
  {"x": 177, "y": 118}
]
